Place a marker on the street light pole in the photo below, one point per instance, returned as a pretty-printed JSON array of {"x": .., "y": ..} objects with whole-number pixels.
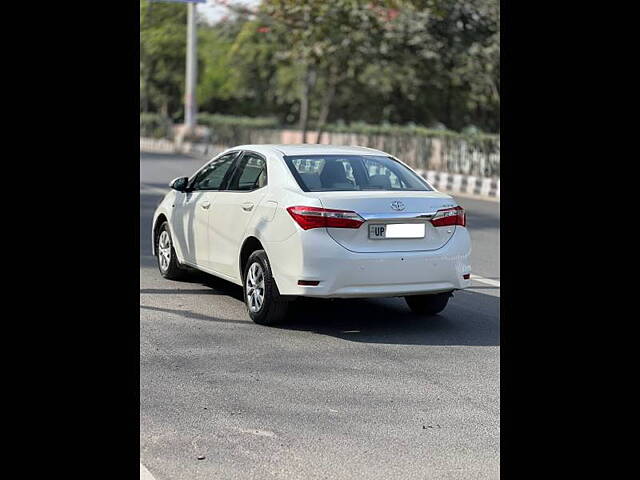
[{"x": 190, "y": 105}]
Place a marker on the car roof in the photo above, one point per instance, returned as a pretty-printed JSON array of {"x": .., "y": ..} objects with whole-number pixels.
[{"x": 312, "y": 149}]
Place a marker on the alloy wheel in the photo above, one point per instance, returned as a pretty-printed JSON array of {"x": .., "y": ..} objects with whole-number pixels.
[
  {"x": 164, "y": 250},
  {"x": 255, "y": 287}
]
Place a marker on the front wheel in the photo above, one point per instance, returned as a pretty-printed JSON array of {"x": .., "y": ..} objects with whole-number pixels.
[
  {"x": 167, "y": 259},
  {"x": 428, "y": 304},
  {"x": 261, "y": 295}
]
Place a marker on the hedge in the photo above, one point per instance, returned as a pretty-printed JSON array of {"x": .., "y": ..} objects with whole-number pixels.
[
  {"x": 155, "y": 125},
  {"x": 153, "y": 122}
]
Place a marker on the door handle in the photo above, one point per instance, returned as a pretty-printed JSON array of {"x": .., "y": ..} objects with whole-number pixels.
[
  {"x": 247, "y": 206},
  {"x": 205, "y": 205}
]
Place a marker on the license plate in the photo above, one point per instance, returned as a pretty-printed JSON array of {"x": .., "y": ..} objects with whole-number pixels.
[{"x": 396, "y": 230}]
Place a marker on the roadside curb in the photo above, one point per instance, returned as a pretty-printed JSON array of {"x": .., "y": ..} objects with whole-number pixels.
[
  {"x": 465, "y": 184},
  {"x": 477, "y": 187}
]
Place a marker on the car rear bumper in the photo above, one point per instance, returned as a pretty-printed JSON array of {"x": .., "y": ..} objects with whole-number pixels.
[{"x": 313, "y": 255}]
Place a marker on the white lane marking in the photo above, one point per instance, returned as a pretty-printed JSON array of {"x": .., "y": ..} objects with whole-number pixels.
[
  {"x": 145, "y": 474},
  {"x": 488, "y": 281}
]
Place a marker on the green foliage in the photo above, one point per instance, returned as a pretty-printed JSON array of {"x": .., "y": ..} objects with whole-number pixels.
[
  {"x": 220, "y": 121},
  {"x": 219, "y": 82},
  {"x": 411, "y": 130},
  {"x": 162, "y": 56},
  {"x": 155, "y": 125},
  {"x": 237, "y": 130},
  {"x": 427, "y": 62}
]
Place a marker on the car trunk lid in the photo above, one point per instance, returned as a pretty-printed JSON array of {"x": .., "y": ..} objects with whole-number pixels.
[{"x": 381, "y": 209}]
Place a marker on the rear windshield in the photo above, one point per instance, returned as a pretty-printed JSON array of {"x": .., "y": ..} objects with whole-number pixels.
[{"x": 330, "y": 173}]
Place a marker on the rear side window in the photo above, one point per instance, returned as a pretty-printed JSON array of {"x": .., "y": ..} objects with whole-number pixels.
[
  {"x": 251, "y": 173},
  {"x": 322, "y": 173}
]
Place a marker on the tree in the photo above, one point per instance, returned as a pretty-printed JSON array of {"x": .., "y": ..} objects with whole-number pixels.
[
  {"x": 219, "y": 84},
  {"x": 457, "y": 43},
  {"x": 315, "y": 62},
  {"x": 328, "y": 42},
  {"x": 162, "y": 56}
]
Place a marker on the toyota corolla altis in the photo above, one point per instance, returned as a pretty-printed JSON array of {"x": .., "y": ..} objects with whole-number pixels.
[{"x": 285, "y": 221}]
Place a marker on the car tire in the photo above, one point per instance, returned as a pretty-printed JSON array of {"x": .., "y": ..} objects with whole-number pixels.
[
  {"x": 428, "y": 304},
  {"x": 261, "y": 295},
  {"x": 167, "y": 259}
]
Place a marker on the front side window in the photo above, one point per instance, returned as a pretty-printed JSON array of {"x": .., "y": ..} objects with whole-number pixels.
[
  {"x": 251, "y": 173},
  {"x": 322, "y": 173},
  {"x": 211, "y": 176}
]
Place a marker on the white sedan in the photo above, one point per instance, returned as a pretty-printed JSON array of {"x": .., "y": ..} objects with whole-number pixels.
[{"x": 285, "y": 221}]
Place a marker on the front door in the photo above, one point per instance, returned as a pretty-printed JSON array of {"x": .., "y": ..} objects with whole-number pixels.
[
  {"x": 205, "y": 188},
  {"x": 183, "y": 222}
]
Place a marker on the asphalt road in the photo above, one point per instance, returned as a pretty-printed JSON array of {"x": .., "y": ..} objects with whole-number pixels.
[{"x": 345, "y": 389}]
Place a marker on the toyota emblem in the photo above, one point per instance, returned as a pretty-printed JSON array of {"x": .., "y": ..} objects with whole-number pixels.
[{"x": 397, "y": 205}]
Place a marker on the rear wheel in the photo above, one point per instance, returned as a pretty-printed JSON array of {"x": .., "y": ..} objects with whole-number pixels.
[
  {"x": 167, "y": 259},
  {"x": 261, "y": 295},
  {"x": 428, "y": 304}
]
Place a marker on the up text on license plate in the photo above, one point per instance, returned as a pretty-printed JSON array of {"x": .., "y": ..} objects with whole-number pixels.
[{"x": 383, "y": 231}]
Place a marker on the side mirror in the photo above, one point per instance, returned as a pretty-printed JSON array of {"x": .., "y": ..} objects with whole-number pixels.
[{"x": 179, "y": 184}]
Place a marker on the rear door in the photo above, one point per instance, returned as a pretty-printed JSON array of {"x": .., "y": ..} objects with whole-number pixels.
[{"x": 233, "y": 209}]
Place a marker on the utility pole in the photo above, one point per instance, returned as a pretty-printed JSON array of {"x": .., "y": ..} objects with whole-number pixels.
[
  {"x": 191, "y": 80},
  {"x": 190, "y": 105}
]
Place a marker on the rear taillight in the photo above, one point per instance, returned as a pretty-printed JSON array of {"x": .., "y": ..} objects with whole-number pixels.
[
  {"x": 449, "y": 216},
  {"x": 314, "y": 217}
]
